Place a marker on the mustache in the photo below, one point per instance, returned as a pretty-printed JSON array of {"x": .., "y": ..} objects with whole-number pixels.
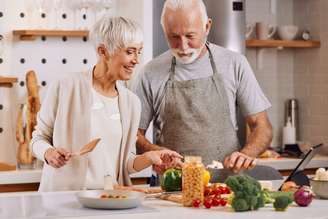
[{"x": 184, "y": 52}]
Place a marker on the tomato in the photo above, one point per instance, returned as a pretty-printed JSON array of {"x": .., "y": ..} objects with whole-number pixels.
[
  {"x": 196, "y": 203},
  {"x": 216, "y": 202},
  {"x": 228, "y": 191},
  {"x": 221, "y": 189},
  {"x": 207, "y": 191},
  {"x": 223, "y": 202},
  {"x": 208, "y": 203},
  {"x": 217, "y": 191}
]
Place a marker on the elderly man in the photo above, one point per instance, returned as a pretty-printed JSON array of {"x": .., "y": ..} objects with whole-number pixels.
[{"x": 191, "y": 93}]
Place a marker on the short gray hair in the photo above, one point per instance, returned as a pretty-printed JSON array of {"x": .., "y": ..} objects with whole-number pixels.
[
  {"x": 115, "y": 33},
  {"x": 176, "y": 4}
]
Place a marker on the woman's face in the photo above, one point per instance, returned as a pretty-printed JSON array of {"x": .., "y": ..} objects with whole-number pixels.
[{"x": 123, "y": 61}]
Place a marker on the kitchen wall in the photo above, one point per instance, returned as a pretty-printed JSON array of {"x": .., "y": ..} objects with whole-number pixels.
[
  {"x": 50, "y": 58},
  {"x": 273, "y": 68},
  {"x": 282, "y": 74},
  {"x": 311, "y": 71}
]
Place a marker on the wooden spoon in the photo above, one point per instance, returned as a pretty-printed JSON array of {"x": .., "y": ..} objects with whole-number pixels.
[{"x": 87, "y": 148}]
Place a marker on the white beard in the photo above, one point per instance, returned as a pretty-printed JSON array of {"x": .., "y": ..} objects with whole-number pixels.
[{"x": 192, "y": 55}]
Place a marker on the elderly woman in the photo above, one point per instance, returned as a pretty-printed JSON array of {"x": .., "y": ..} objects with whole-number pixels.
[{"x": 90, "y": 105}]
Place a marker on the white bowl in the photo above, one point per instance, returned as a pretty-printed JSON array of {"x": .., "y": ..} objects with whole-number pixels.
[
  {"x": 320, "y": 188},
  {"x": 91, "y": 199},
  {"x": 287, "y": 32}
]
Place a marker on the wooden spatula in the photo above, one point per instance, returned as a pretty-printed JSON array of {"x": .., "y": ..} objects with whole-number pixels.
[{"x": 87, "y": 148}]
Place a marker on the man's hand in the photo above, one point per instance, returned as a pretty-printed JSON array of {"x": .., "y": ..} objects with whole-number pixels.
[
  {"x": 57, "y": 157},
  {"x": 238, "y": 161}
]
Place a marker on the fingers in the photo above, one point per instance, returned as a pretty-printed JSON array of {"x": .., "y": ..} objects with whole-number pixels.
[
  {"x": 239, "y": 164},
  {"x": 57, "y": 157},
  {"x": 233, "y": 158},
  {"x": 238, "y": 161},
  {"x": 154, "y": 157},
  {"x": 159, "y": 169},
  {"x": 253, "y": 163},
  {"x": 226, "y": 162},
  {"x": 170, "y": 153},
  {"x": 64, "y": 153},
  {"x": 247, "y": 163}
]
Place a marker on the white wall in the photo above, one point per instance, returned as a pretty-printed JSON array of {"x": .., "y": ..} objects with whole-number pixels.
[
  {"x": 275, "y": 70},
  {"x": 54, "y": 50}
]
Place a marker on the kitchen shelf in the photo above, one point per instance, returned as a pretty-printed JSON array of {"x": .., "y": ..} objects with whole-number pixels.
[
  {"x": 282, "y": 44},
  {"x": 7, "y": 81},
  {"x": 33, "y": 34}
]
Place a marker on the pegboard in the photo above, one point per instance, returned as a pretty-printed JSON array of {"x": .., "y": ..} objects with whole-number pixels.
[{"x": 49, "y": 57}]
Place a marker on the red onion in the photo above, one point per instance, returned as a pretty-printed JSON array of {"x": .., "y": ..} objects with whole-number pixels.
[{"x": 303, "y": 196}]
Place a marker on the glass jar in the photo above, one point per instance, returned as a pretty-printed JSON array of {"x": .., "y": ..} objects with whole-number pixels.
[{"x": 192, "y": 180}]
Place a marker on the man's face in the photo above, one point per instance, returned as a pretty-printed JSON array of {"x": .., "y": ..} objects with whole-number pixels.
[{"x": 186, "y": 33}]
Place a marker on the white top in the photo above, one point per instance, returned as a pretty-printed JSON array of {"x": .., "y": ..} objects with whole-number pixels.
[
  {"x": 105, "y": 124},
  {"x": 64, "y": 121}
]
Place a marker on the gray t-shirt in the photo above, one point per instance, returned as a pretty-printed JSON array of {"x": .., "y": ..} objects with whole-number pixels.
[{"x": 240, "y": 83}]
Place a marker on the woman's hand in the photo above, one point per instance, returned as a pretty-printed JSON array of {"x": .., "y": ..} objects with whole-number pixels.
[
  {"x": 57, "y": 157},
  {"x": 164, "y": 159}
]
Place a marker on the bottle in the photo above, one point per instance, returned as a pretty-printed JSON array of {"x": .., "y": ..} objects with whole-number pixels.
[
  {"x": 291, "y": 113},
  {"x": 288, "y": 134},
  {"x": 192, "y": 180},
  {"x": 108, "y": 182}
]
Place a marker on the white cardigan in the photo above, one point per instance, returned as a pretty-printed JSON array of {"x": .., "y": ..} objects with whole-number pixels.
[{"x": 64, "y": 121}]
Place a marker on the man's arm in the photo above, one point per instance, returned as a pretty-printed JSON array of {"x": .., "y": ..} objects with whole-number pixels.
[
  {"x": 143, "y": 145},
  {"x": 260, "y": 136},
  {"x": 257, "y": 142}
]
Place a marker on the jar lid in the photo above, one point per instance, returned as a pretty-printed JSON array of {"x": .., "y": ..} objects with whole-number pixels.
[{"x": 193, "y": 159}]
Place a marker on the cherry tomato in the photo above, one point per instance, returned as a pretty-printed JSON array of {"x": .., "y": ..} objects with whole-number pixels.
[
  {"x": 207, "y": 191},
  {"x": 196, "y": 203},
  {"x": 208, "y": 203},
  {"x": 223, "y": 202},
  {"x": 216, "y": 202},
  {"x": 221, "y": 189},
  {"x": 228, "y": 191},
  {"x": 217, "y": 192}
]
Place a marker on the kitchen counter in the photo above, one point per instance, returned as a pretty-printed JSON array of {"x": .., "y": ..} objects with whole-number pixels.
[
  {"x": 34, "y": 176},
  {"x": 291, "y": 163},
  {"x": 29, "y": 180},
  {"x": 65, "y": 205}
]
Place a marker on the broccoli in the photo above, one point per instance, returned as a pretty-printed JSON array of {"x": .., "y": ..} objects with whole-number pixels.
[
  {"x": 239, "y": 204},
  {"x": 282, "y": 202},
  {"x": 247, "y": 193},
  {"x": 268, "y": 199}
]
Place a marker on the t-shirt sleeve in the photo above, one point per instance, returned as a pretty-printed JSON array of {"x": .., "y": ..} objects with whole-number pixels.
[
  {"x": 144, "y": 92},
  {"x": 250, "y": 97}
]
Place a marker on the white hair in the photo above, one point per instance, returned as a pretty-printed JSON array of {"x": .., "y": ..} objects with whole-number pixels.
[
  {"x": 115, "y": 33},
  {"x": 181, "y": 4}
]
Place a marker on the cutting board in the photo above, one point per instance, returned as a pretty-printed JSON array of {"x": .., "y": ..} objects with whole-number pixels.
[{"x": 7, "y": 167}]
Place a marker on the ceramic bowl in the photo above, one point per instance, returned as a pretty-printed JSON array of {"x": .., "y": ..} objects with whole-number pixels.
[
  {"x": 320, "y": 188},
  {"x": 287, "y": 32}
]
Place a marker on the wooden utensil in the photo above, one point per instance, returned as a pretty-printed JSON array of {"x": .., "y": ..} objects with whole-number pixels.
[{"x": 87, "y": 148}]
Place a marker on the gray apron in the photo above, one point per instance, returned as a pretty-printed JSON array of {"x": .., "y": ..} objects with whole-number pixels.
[{"x": 196, "y": 118}]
